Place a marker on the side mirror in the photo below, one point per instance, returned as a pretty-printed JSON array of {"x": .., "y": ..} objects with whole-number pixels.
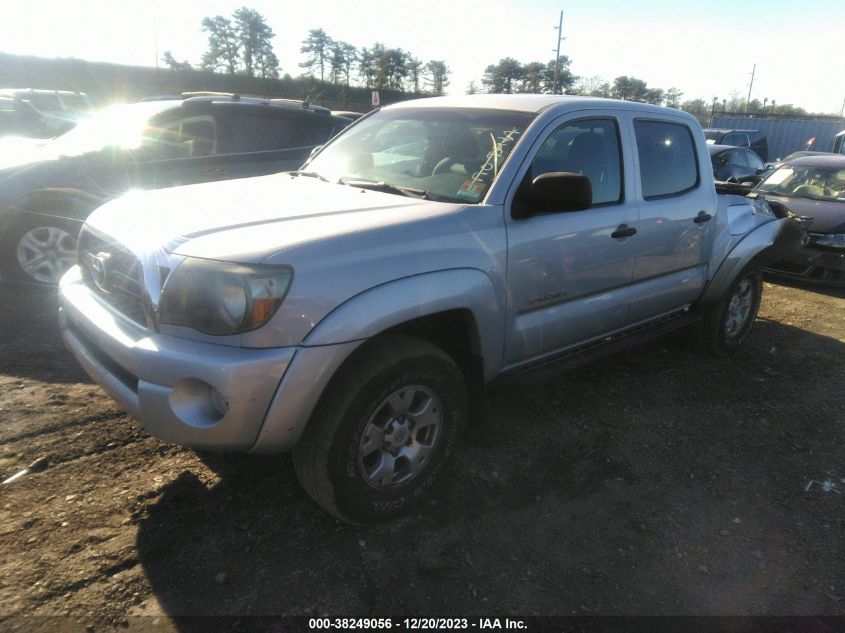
[{"x": 556, "y": 191}]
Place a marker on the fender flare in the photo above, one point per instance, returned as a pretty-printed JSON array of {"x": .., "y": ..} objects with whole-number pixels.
[
  {"x": 388, "y": 305},
  {"x": 762, "y": 246}
]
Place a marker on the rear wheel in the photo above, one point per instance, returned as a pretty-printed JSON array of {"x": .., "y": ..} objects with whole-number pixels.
[
  {"x": 729, "y": 321},
  {"x": 383, "y": 431}
]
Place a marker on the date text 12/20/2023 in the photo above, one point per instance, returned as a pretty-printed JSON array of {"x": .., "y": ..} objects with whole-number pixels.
[{"x": 412, "y": 624}]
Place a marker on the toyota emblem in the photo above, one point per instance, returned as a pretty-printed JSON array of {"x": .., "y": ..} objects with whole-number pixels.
[{"x": 100, "y": 270}]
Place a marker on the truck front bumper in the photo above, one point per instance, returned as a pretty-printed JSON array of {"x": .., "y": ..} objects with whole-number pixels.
[{"x": 193, "y": 393}]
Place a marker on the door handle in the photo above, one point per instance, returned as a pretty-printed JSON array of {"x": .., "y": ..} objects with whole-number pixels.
[
  {"x": 623, "y": 231},
  {"x": 702, "y": 217}
]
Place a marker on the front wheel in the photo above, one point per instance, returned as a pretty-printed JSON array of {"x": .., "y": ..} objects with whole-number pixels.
[
  {"x": 728, "y": 322},
  {"x": 43, "y": 250},
  {"x": 383, "y": 431}
]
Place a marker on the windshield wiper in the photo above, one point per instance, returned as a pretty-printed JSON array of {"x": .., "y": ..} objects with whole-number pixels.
[
  {"x": 310, "y": 174},
  {"x": 386, "y": 187}
]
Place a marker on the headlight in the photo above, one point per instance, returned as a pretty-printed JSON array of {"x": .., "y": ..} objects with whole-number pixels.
[
  {"x": 834, "y": 240},
  {"x": 220, "y": 298}
]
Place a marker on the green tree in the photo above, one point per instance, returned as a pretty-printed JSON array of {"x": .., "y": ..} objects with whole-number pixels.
[
  {"x": 380, "y": 66},
  {"x": 396, "y": 71},
  {"x": 223, "y": 44},
  {"x": 366, "y": 68},
  {"x": 255, "y": 38},
  {"x": 787, "y": 109},
  {"x": 628, "y": 89},
  {"x": 673, "y": 97},
  {"x": 565, "y": 78},
  {"x": 415, "y": 71},
  {"x": 437, "y": 75},
  {"x": 699, "y": 108},
  {"x": 653, "y": 95},
  {"x": 502, "y": 77},
  {"x": 343, "y": 58},
  {"x": 318, "y": 47},
  {"x": 533, "y": 77}
]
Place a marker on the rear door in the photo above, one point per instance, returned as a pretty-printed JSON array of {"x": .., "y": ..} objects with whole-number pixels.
[
  {"x": 568, "y": 273},
  {"x": 676, "y": 208},
  {"x": 266, "y": 140}
]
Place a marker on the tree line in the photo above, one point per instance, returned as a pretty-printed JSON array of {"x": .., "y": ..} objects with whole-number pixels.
[
  {"x": 242, "y": 44},
  {"x": 376, "y": 67},
  {"x": 510, "y": 76}
]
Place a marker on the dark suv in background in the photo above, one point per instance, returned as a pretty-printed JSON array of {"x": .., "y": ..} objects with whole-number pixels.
[
  {"x": 47, "y": 192},
  {"x": 754, "y": 140}
]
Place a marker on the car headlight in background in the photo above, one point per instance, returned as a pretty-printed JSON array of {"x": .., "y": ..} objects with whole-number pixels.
[
  {"x": 220, "y": 298},
  {"x": 833, "y": 240}
]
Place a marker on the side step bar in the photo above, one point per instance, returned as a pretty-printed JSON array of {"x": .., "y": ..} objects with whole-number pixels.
[{"x": 551, "y": 367}]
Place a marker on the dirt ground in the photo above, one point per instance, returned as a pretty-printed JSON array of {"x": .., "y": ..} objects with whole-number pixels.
[{"x": 659, "y": 481}]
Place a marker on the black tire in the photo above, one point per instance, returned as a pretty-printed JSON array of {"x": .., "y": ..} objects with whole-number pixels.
[
  {"x": 57, "y": 239},
  {"x": 714, "y": 332},
  {"x": 330, "y": 457}
]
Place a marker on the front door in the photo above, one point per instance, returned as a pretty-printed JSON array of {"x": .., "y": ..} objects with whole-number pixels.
[{"x": 568, "y": 273}]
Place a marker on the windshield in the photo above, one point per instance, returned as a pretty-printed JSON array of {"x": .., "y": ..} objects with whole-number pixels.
[
  {"x": 447, "y": 154},
  {"x": 118, "y": 126},
  {"x": 813, "y": 182}
]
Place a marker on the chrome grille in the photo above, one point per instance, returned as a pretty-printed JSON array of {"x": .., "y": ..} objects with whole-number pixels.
[{"x": 114, "y": 274}]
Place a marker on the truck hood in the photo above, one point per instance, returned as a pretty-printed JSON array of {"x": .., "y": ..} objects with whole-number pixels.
[{"x": 250, "y": 219}]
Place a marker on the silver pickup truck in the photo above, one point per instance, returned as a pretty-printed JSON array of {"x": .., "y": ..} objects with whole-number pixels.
[{"x": 354, "y": 311}]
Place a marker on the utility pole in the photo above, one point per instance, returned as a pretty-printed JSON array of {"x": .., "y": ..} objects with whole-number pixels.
[
  {"x": 560, "y": 37},
  {"x": 750, "y": 85},
  {"x": 155, "y": 35}
]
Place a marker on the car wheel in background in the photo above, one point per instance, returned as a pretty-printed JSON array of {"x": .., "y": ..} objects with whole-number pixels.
[{"x": 42, "y": 250}]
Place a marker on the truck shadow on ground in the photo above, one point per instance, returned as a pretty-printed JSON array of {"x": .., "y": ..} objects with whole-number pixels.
[{"x": 658, "y": 481}]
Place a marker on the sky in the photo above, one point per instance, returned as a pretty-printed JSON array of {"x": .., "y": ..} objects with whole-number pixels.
[{"x": 706, "y": 49}]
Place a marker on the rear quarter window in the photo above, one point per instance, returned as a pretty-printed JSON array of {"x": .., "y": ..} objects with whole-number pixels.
[{"x": 667, "y": 157}]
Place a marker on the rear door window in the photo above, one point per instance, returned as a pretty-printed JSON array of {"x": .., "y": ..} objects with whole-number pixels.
[
  {"x": 667, "y": 157},
  {"x": 259, "y": 132}
]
